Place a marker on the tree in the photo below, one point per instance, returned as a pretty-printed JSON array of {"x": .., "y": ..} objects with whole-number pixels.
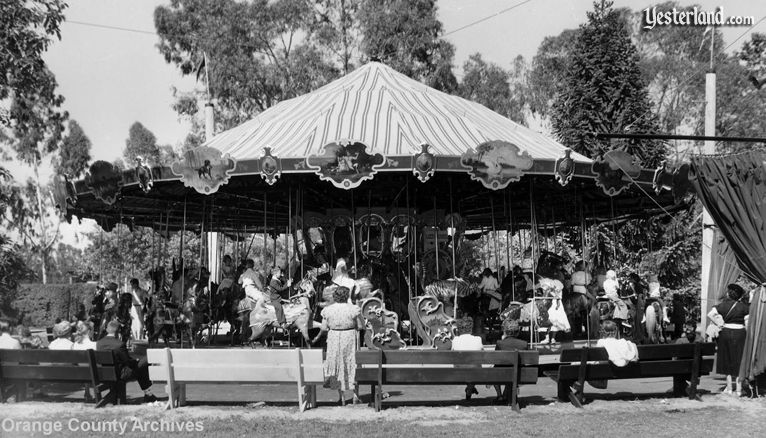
[
  {"x": 28, "y": 26},
  {"x": 256, "y": 53},
  {"x": 548, "y": 71},
  {"x": 74, "y": 152},
  {"x": 488, "y": 84},
  {"x": 603, "y": 91},
  {"x": 12, "y": 270},
  {"x": 405, "y": 35},
  {"x": 141, "y": 142},
  {"x": 753, "y": 54}
]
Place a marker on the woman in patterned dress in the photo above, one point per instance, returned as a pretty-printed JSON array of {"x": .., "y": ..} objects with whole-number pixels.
[{"x": 341, "y": 321}]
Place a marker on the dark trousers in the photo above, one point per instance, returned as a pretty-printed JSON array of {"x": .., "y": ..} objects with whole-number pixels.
[
  {"x": 138, "y": 371},
  {"x": 276, "y": 301}
]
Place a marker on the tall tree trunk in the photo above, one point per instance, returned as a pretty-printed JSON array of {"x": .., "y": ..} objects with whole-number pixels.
[{"x": 43, "y": 235}]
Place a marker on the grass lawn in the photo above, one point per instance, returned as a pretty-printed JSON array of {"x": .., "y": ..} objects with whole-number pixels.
[{"x": 717, "y": 415}]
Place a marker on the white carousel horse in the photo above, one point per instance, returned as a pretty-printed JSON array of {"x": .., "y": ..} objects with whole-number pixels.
[{"x": 262, "y": 318}]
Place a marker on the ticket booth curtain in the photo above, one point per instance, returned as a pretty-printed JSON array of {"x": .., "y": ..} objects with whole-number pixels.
[{"x": 733, "y": 190}]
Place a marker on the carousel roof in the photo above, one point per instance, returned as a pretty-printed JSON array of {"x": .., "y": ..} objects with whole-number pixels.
[
  {"x": 386, "y": 110},
  {"x": 414, "y": 148}
]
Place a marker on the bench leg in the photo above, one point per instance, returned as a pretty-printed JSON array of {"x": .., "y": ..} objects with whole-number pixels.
[
  {"x": 514, "y": 395},
  {"x": 181, "y": 394}
]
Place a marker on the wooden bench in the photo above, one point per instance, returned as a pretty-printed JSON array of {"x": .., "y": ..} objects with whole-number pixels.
[
  {"x": 682, "y": 362},
  {"x": 432, "y": 367},
  {"x": 96, "y": 368},
  {"x": 180, "y": 367}
]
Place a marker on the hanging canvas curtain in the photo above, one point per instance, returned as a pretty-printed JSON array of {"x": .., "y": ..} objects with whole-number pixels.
[
  {"x": 723, "y": 269},
  {"x": 733, "y": 189}
]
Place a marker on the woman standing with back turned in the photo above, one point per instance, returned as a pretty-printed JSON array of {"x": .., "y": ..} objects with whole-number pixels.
[
  {"x": 341, "y": 321},
  {"x": 731, "y": 339}
]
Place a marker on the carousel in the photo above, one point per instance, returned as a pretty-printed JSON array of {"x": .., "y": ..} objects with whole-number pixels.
[{"x": 389, "y": 175}]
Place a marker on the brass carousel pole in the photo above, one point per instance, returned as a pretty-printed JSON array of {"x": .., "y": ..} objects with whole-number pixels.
[
  {"x": 263, "y": 251},
  {"x": 353, "y": 232},
  {"x": 410, "y": 227},
  {"x": 183, "y": 267},
  {"x": 454, "y": 243},
  {"x": 510, "y": 247},
  {"x": 494, "y": 232},
  {"x": 534, "y": 240},
  {"x": 436, "y": 240}
]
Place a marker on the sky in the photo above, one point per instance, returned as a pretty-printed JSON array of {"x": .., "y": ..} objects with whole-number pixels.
[{"x": 112, "y": 78}]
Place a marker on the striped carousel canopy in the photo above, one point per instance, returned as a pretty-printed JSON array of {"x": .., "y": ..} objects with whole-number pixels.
[{"x": 389, "y": 112}]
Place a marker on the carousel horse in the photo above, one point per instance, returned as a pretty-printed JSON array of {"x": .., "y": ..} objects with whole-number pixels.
[
  {"x": 444, "y": 291},
  {"x": 578, "y": 308},
  {"x": 189, "y": 317},
  {"x": 226, "y": 307},
  {"x": 262, "y": 318}
]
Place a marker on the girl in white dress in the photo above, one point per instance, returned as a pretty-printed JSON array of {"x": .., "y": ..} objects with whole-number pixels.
[{"x": 556, "y": 314}]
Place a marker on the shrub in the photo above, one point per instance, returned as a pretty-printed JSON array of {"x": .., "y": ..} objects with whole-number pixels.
[{"x": 39, "y": 305}]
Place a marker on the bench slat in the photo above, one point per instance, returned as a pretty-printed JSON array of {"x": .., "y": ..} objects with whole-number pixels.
[
  {"x": 219, "y": 356},
  {"x": 648, "y": 369},
  {"x": 645, "y": 352},
  {"x": 527, "y": 375},
  {"x": 436, "y": 376},
  {"x": 40, "y": 356},
  {"x": 433, "y": 357},
  {"x": 680, "y": 351},
  {"x": 234, "y": 374},
  {"x": 54, "y": 373}
]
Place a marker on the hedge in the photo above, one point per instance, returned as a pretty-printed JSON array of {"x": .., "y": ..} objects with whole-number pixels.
[{"x": 38, "y": 305}]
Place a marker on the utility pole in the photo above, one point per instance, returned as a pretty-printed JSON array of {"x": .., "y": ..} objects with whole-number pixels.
[{"x": 707, "y": 295}]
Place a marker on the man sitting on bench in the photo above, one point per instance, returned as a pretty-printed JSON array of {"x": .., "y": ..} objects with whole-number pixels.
[
  {"x": 129, "y": 368},
  {"x": 509, "y": 342}
]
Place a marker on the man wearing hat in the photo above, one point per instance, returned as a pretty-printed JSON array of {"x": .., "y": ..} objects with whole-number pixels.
[
  {"x": 130, "y": 368},
  {"x": 509, "y": 342},
  {"x": 62, "y": 331}
]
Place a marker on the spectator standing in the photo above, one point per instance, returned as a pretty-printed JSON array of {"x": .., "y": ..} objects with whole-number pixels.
[
  {"x": 341, "y": 321},
  {"x": 731, "y": 314}
]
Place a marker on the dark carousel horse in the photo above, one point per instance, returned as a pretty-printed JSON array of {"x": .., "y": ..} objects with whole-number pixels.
[{"x": 188, "y": 318}]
